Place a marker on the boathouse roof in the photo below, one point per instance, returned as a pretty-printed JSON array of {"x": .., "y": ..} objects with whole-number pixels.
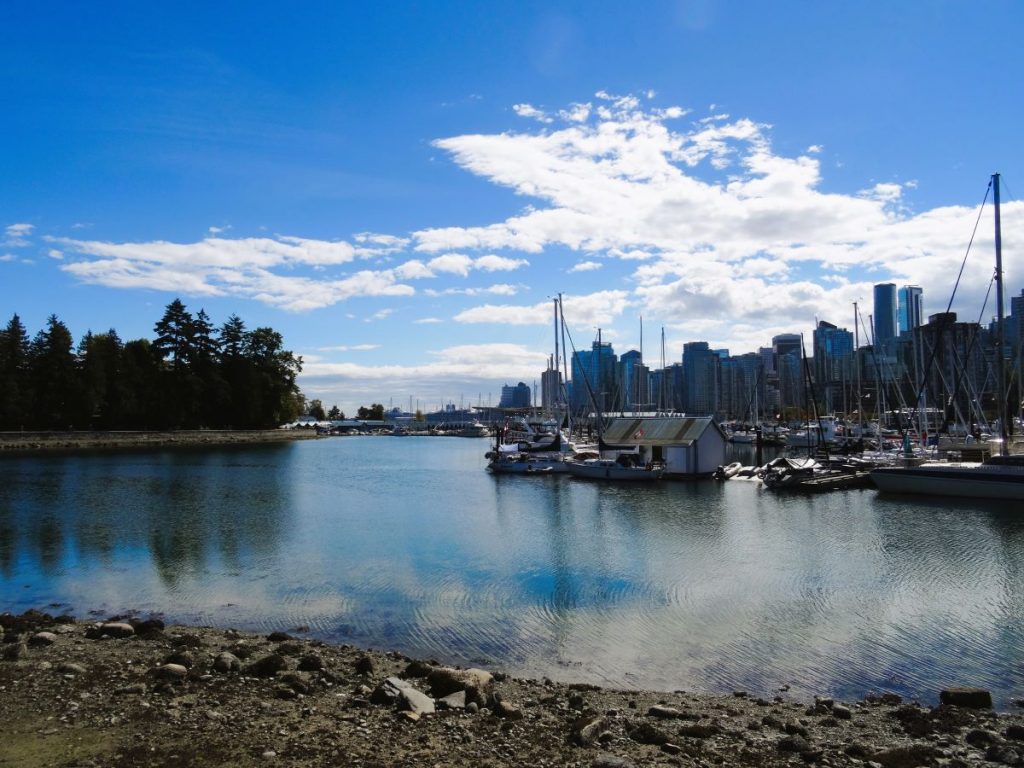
[{"x": 659, "y": 430}]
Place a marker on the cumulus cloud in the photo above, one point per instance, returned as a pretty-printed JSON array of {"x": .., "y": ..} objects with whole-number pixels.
[
  {"x": 530, "y": 111},
  {"x": 585, "y": 266},
  {"x": 348, "y": 348},
  {"x": 264, "y": 269},
  {"x": 601, "y": 308}
]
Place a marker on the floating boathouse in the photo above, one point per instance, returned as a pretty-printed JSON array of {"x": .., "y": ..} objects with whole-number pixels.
[{"x": 689, "y": 446}]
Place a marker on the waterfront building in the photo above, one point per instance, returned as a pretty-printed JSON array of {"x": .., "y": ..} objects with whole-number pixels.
[
  {"x": 688, "y": 446},
  {"x": 518, "y": 396},
  {"x": 700, "y": 370},
  {"x": 911, "y": 308}
]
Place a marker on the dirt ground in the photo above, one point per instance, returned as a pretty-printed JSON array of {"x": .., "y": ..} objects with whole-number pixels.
[{"x": 133, "y": 692}]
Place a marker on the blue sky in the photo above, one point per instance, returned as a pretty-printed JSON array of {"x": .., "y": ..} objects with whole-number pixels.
[{"x": 400, "y": 188}]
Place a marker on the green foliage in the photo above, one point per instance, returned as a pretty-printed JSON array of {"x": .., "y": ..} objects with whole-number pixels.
[
  {"x": 374, "y": 413},
  {"x": 191, "y": 375},
  {"x": 335, "y": 414}
]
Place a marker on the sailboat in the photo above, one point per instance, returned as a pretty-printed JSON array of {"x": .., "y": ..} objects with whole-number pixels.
[{"x": 999, "y": 477}]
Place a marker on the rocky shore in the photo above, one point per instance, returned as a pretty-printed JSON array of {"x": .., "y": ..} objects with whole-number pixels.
[
  {"x": 33, "y": 442},
  {"x": 132, "y": 692}
]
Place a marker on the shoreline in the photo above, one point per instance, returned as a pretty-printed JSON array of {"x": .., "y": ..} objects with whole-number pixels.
[
  {"x": 92, "y": 440},
  {"x": 133, "y": 692}
]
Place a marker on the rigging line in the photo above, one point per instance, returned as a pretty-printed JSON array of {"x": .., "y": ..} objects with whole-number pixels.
[{"x": 969, "y": 244}]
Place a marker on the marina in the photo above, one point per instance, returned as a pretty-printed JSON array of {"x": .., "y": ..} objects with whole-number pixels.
[{"x": 411, "y": 545}]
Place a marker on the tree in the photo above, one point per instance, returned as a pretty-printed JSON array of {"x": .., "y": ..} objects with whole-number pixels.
[
  {"x": 100, "y": 383},
  {"x": 316, "y": 410},
  {"x": 275, "y": 370},
  {"x": 335, "y": 413},
  {"x": 15, "y": 386},
  {"x": 374, "y": 413},
  {"x": 54, "y": 375}
]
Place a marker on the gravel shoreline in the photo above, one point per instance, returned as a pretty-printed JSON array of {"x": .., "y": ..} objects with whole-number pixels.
[
  {"x": 132, "y": 692},
  {"x": 41, "y": 442}
]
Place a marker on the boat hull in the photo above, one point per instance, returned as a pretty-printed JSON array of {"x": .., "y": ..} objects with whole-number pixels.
[
  {"x": 613, "y": 472},
  {"x": 976, "y": 482}
]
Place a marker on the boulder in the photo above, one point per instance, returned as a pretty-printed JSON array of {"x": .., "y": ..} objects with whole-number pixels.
[
  {"x": 612, "y": 761},
  {"x": 42, "y": 638},
  {"x": 398, "y": 693},
  {"x": 227, "y": 662},
  {"x": 268, "y": 666},
  {"x": 586, "y": 731},
  {"x": 170, "y": 672},
  {"x": 117, "y": 629},
  {"x": 475, "y": 682},
  {"x": 909, "y": 756},
  {"x": 972, "y": 698},
  {"x": 664, "y": 713}
]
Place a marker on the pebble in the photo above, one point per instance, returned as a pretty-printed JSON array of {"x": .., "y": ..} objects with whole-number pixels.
[
  {"x": 70, "y": 668},
  {"x": 170, "y": 672},
  {"x": 42, "y": 638}
]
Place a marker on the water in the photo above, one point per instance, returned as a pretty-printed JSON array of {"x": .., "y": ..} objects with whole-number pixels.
[{"x": 409, "y": 544}]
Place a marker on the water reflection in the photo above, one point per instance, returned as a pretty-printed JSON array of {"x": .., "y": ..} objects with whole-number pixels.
[{"x": 409, "y": 544}]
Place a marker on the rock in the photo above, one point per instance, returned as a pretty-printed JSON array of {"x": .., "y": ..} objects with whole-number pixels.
[
  {"x": 915, "y": 721},
  {"x": 671, "y": 749},
  {"x": 664, "y": 713},
  {"x": 611, "y": 761},
  {"x": 793, "y": 728},
  {"x": 150, "y": 629},
  {"x": 70, "y": 668},
  {"x": 311, "y": 663},
  {"x": 506, "y": 711},
  {"x": 118, "y": 629},
  {"x": 170, "y": 672},
  {"x": 908, "y": 756},
  {"x": 417, "y": 669},
  {"x": 130, "y": 690},
  {"x": 841, "y": 712},
  {"x": 1015, "y": 733},
  {"x": 397, "y": 692},
  {"x": 182, "y": 658},
  {"x": 475, "y": 682},
  {"x": 645, "y": 733},
  {"x": 227, "y": 662},
  {"x": 455, "y": 700},
  {"x": 979, "y": 737},
  {"x": 290, "y": 648},
  {"x": 268, "y": 666},
  {"x": 973, "y": 698},
  {"x": 42, "y": 638},
  {"x": 793, "y": 743},
  {"x": 472, "y": 707},
  {"x": 364, "y": 665},
  {"x": 586, "y": 731},
  {"x": 285, "y": 692},
  {"x": 279, "y": 637},
  {"x": 15, "y": 651},
  {"x": 700, "y": 730},
  {"x": 1001, "y": 753}
]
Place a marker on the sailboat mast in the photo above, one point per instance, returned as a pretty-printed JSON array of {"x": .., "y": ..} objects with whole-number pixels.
[{"x": 1000, "y": 333}]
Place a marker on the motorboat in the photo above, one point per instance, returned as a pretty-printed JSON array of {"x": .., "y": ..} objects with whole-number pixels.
[
  {"x": 727, "y": 471},
  {"x": 613, "y": 469},
  {"x": 475, "y": 429},
  {"x": 518, "y": 463},
  {"x": 999, "y": 477}
]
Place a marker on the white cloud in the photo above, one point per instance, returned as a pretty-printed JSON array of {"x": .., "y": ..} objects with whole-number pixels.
[
  {"x": 53, "y": 253},
  {"x": 815, "y": 149},
  {"x": 349, "y": 348},
  {"x": 8, "y": 257},
  {"x": 600, "y": 308},
  {"x": 585, "y": 266},
  {"x": 492, "y": 263},
  {"x": 455, "y": 263},
  {"x": 263, "y": 269},
  {"x": 428, "y": 321},
  {"x": 379, "y": 315},
  {"x": 499, "y": 289},
  {"x": 217, "y": 230},
  {"x": 528, "y": 110},
  {"x": 15, "y": 235}
]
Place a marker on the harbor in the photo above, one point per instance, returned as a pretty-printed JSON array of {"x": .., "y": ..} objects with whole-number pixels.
[{"x": 702, "y": 586}]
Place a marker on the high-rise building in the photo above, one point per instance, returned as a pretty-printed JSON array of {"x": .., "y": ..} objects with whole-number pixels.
[
  {"x": 885, "y": 315},
  {"x": 518, "y": 396},
  {"x": 631, "y": 391},
  {"x": 911, "y": 308},
  {"x": 593, "y": 373},
  {"x": 788, "y": 379},
  {"x": 700, "y": 369},
  {"x": 551, "y": 397},
  {"x": 833, "y": 363}
]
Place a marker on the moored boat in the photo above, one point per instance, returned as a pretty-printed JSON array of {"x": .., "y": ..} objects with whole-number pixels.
[
  {"x": 999, "y": 477},
  {"x": 613, "y": 469}
]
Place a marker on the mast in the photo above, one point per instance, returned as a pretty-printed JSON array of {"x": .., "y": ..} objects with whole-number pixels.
[
  {"x": 1000, "y": 341},
  {"x": 856, "y": 358}
]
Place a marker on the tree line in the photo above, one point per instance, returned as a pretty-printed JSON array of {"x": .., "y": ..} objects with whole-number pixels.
[{"x": 191, "y": 375}]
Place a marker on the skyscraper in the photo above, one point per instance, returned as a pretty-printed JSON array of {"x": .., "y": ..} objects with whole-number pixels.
[
  {"x": 885, "y": 315},
  {"x": 700, "y": 369},
  {"x": 911, "y": 308}
]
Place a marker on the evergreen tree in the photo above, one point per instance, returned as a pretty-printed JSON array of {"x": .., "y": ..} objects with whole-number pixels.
[
  {"x": 15, "y": 386},
  {"x": 100, "y": 380},
  {"x": 54, "y": 376}
]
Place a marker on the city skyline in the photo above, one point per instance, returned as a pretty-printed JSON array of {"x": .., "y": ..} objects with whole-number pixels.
[{"x": 401, "y": 192}]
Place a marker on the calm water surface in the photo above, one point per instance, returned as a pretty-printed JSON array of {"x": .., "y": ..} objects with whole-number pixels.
[{"x": 409, "y": 544}]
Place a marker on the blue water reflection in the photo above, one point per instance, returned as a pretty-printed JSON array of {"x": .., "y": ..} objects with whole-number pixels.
[{"x": 408, "y": 544}]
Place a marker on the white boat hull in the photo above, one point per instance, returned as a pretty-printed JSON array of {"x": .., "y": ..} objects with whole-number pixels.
[
  {"x": 974, "y": 481},
  {"x": 604, "y": 471}
]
